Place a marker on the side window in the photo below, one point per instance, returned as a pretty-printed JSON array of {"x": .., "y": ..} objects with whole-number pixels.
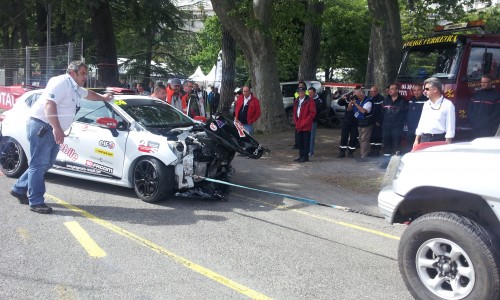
[
  {"x": 288, "y": 90},
  {"x": 90, "y": 111},
  {"x": 32, "y": 99},
  {"x": 474, "y": 67},
  {"x": 495, "y": 63}
]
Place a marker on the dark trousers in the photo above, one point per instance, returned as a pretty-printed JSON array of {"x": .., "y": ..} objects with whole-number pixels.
[
  {"x": 304, "y": 143},
  {"x": 391, "y": 139},
  {"x": 410, "y": 139},
  {"x": 349, "y": 136}
]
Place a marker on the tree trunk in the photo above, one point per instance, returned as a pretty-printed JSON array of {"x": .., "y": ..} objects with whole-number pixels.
[
  {"x": 102, "y": 25},
  {"x": 257, "y": 46},
  {"x": 385, "y": 42},
  {"x": 312, "y": 37},
  {"x": 228, "y": 71}
]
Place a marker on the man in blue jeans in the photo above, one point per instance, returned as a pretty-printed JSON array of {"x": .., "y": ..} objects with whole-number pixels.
[{"x": 49, "y": 118}]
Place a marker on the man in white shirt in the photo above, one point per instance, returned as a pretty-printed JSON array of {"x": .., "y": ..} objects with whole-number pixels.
[
  {"x": 50, "y": 116},
  {"x": 437, "y": 122}
]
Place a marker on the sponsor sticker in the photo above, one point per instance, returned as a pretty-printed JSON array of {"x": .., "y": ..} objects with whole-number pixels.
[
  {"x": 148, "y": 146},
  {"x": 120, "y": 102},
  {"x": 70, "y": 152},
  {"x": 220, "y": 123},
  {"x": 213, "y": 127},
  {"x": 102, "y": 168},
  {"x": 104, "y": 152},
  {"x": 107, "y": 144},
  {"x": 240, "y": 128}
]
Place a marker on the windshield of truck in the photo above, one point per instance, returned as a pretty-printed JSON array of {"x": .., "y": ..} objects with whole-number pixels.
[{"x": 422, "y": 62}]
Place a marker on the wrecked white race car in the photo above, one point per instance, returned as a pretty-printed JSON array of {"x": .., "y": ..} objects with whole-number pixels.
[{"x": 138, "y": 142}]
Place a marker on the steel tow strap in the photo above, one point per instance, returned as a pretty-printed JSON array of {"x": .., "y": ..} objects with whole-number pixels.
[{"x": 301, "y": 199}]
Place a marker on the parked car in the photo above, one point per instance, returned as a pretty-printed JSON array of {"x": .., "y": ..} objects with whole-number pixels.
[
  {"x": 134, "y": 141},
  {"x": 450, "y": 198}
]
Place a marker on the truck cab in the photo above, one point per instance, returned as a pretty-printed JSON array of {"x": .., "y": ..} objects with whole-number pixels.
[{"x": 458, "y": 60}]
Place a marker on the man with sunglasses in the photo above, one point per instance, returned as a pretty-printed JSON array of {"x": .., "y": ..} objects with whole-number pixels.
[{"x": 437, "y": 122}]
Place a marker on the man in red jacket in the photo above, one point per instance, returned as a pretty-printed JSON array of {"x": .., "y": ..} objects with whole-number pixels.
[
  {"x": 247, "y": 109},
  {"x": 304, "y": 111}
]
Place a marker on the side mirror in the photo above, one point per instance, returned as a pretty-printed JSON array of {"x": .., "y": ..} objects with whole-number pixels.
[{"x": 110, "y": 124}]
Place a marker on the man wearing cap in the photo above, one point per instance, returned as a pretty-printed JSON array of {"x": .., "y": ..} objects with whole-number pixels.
[
  {"x": 304, "y": 111},
  {"x": 174, "y": 96}
]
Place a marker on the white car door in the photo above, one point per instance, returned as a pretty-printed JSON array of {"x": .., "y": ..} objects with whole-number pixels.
[{"x": 91, "y": 149}]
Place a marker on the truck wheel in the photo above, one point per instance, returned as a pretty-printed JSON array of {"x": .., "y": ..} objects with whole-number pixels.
[
  {"x": 13, "y": 160},
  {"x": 153, "y": 181},
  {"x": 448, "y": 256}
]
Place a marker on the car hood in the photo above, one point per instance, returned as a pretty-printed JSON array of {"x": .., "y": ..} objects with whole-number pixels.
[{"x": 232, "y": 135}]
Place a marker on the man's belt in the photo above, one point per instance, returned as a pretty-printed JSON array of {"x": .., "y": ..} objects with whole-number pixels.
[
  {"x": 435, "y": 134},
  {"x": 39, "y": 121}
]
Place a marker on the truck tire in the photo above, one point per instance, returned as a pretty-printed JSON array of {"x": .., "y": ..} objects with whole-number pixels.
[{"x": 444, "y": 255}]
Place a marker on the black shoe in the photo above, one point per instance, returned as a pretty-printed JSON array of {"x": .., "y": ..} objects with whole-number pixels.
[
  {"x": 303, "y": 160},
  {"x": 298, "y": 159},
  {"x": 341, "y": 155},
  {"x": 350, "y": 155},
  {"x": 23, "y": 199},
  {"x": 41, "y": 208}
]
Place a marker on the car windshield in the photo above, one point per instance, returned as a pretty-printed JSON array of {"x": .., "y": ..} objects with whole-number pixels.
[
  {"x": 422, "y": 62},
  {"x": 156, "y": 115}
]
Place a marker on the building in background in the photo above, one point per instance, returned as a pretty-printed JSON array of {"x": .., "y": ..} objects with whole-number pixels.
[{"x": 199, "y": 9}]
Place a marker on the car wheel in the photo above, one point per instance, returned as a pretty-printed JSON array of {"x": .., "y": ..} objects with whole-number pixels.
[
  {"x": 448, "y": 256},
  {"x": 289, "y": 118},
  {"x": 12, "y": 158},
  {"x": 153, "y": 181}
]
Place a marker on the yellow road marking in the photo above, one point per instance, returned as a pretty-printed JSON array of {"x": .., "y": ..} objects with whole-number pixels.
[
  {"x": 84, "y": 239},
  {"x": 157, "y": 248},
  {"x": 345, "y": 224}
]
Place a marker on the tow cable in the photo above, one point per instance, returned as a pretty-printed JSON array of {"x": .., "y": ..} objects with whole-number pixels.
[{"x": 301, "y": 199}]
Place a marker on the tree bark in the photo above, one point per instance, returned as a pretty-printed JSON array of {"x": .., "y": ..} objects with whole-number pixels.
[
  {"x": 312, "y": 37},
  {"x": 228, "y": 71},
  {"x": 102, "y": 25},
  {"x": 258, "y": 49},
  {"x": 385, "y": 42}
]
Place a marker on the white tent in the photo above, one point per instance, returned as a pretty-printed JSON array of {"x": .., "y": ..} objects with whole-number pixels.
[
  {"x": 198, "y": 75},
  {"x": 211, "y": 77}
]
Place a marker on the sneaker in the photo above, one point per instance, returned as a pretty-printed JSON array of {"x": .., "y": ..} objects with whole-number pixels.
[
  {"x": 41, "y": 208},
  {"x": 23, "y": 199}
]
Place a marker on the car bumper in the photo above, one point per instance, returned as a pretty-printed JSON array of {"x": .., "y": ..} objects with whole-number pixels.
[{"x": 388, "y": 201}]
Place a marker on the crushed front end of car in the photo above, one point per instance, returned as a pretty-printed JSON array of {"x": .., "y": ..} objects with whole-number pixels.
[{"x": 206, "y": 152}]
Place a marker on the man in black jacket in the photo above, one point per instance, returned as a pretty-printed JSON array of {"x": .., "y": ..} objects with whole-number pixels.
[
  {"x": 395, "y": 110},
  {"x": 349, "y": 134},
  {"x": 378, "y": 117},
  {"x": 484, "y": 109},
  {"x": 415, "y": 106}
]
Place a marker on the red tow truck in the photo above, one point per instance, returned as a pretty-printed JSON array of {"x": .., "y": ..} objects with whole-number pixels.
[{"x": 457, "y": 59}]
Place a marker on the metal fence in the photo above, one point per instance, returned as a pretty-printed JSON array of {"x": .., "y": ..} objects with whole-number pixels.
[{"x": 35, "y": 65}]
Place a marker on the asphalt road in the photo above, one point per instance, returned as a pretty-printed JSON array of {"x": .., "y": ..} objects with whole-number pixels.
[{"x": 101, "y": 242}]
